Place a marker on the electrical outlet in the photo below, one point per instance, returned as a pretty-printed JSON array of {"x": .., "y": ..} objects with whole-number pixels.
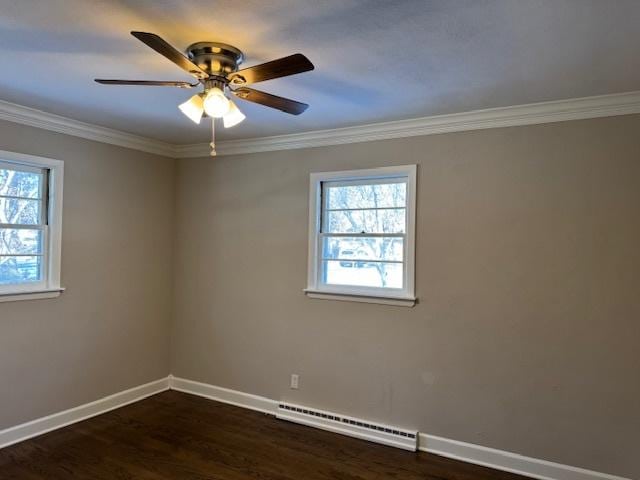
[{"x": 294, "y": 381}]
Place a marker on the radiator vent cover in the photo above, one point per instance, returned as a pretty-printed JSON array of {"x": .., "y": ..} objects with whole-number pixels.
[{"x": 385, "y": 434}]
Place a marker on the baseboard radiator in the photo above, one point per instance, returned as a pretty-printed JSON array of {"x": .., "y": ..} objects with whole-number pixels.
[{"x": 334, "y": 422}]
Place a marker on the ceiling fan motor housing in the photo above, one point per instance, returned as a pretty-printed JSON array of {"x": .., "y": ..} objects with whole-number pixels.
[{"x": 217, "y": 59}]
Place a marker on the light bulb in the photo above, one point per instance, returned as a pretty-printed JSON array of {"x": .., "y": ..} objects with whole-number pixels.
[
  {"x": 215, "y": 103},
  {"x": 233, "y": 117},
  {"x": 193, "y": 108}
]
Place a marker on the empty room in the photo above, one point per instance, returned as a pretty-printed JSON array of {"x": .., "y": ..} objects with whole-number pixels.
[{"x": 319, "y": 240}]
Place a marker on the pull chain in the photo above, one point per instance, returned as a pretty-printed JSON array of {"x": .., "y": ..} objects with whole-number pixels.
[{"x": 213, "y": 137}]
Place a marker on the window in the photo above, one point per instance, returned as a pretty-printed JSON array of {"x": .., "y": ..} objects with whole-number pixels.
[
  {"x": 30, "y": 220},
  {"x": 361, "y": 235}
]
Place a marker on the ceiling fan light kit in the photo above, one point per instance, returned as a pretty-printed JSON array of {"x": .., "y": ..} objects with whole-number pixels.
[{"x": 215, "y": 66}]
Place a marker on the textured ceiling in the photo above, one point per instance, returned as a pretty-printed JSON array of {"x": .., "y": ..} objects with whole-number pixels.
[{"x": 375, "y": 60}]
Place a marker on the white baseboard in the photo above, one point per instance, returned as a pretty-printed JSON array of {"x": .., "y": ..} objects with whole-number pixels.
[
  {"x": 224, "y": 395},
  {"x": 507, "y": 461},
  {"x": 46, "y": 424},
  {"x": 466, "y": 452}
]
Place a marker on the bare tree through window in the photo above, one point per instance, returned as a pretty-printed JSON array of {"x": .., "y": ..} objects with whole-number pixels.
[
  {"x": 365, "y": 225},
  {"x": 20, "y": 221}
]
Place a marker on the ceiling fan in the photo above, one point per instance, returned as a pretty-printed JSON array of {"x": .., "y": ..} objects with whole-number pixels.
[{"x": 215, "y": 66}]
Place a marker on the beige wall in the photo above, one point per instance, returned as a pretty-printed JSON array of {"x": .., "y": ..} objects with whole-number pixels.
[
  {"x": 110, "y": 330},
  {"x": 527, "y": 334},
  {"x": 526, "y": 337}
]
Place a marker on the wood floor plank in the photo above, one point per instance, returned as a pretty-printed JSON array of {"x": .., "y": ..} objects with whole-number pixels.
[{"x": 176, "y": 436}]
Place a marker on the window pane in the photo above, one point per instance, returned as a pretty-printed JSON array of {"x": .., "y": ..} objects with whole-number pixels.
[
  {"x": 20, "y": 241},
  {"x": 361, "y": 249},
  {"x": 366, "y": 221},
  {"x": 382, "y": 275},
  {"x": 20, "y": 184},
  {"x": 366, "y": 196},
  {"x": 19, "y": 269},
  {"x": 23, "y": 212}
]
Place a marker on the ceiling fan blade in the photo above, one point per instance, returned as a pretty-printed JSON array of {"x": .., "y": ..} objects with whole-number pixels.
[
  {"x": 282, "y": 67},
  {"x": 273, "y": 101},
  {"x": 153, "y": 83},
  {"x": 163, "y": 48}
]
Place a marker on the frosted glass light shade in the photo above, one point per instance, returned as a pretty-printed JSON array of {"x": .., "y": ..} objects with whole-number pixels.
[
  {"x": 233, "y": 117},
  {"x": 215, "y": 103},
  {"x": 193, "y": 108}
]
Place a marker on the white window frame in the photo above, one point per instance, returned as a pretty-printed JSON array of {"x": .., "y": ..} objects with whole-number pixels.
[
  {"x": 315, "y": 287},
  {"x": 49, "y": 287}
]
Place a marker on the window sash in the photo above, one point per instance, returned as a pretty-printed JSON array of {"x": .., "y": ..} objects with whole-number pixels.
[
  {"x": 43, "y": 219},
  {"x": 324, "y": 197},
  {"x": 321, "y": 257},
  {"x": 44, "y": 264},
  {"x": 43, "y": 193}
]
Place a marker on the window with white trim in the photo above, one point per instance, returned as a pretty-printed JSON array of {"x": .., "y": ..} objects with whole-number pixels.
[
  {"x": 361, "y": 235},
  {"x": 30, "y": 221}
]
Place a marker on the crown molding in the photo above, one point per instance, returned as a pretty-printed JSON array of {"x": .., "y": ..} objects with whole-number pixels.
[
  {"x": 195, "y": 150},
  {"x": 529, "y": 114},
  {"x": 56, "y": 123}
]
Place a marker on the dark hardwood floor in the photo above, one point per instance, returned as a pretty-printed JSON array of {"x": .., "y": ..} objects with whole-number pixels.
[{"x": 177, "y": 436}]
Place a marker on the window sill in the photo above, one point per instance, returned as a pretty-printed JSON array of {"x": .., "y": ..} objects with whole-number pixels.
[
  {"x": 349, "y": 297},
  {"x": 30, "y": 294}
]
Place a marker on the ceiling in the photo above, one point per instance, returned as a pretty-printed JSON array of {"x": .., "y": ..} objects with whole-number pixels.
[{"x": 376, "y": 60}]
